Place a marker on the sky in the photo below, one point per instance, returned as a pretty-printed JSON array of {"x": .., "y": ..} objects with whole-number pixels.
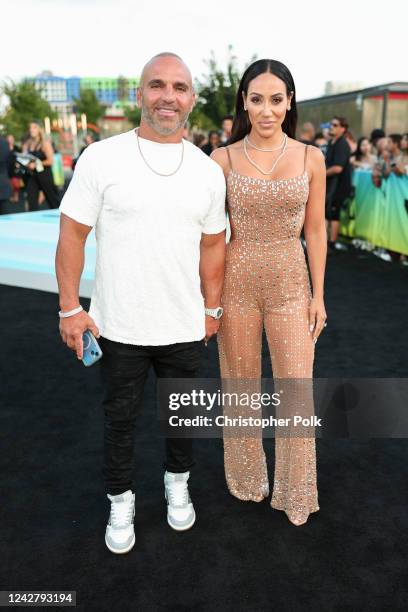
[{"x": 348, "y": 40}]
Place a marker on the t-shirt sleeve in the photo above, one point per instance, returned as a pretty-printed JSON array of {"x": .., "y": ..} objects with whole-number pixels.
[
  {"x": 216, "y": 221},
  {"x": 341, "y": 154},
  {"x": 83, "y": 199}
]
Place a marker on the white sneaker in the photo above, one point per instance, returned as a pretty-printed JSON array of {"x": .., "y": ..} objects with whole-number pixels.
[
  {"x": 120, "y": 534},
  {"x": 180, "y": 510}
]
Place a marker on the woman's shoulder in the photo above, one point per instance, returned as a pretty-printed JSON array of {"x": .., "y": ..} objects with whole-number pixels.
[
  {"x": 236, "y": 145},
  {"x": 222, "y": 156}
]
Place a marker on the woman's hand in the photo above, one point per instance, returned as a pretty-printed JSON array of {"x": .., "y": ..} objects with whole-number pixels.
[
  {"x": 31, "y": 166},
  {"x": 317, "y": 317}
]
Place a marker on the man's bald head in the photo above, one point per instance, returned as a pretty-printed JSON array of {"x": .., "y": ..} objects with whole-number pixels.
[
  {"x": 165, "y": 94},
  {"x": 156, "y": 59}
]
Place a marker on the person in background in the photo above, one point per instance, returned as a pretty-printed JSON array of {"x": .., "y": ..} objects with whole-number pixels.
[
  {"x": 15, "y": 179},
  {"x": 199, "y": 140},
  {"x": 307, "y": 133},
  {"x": 226, "y": 127},
  {"x": 375, "y": 136},
  {"x": 326, "y": 132},
  {"x": 40, "y": 178},
  {"x": 397, "y": 165},
  {"x": 321, "y": 142},
  {"x": 362, "y": 157},
  {"x": 338, "y": 178},
  {"x": 351, "y": 141},
  {"x": 213, "y": 142},
  {"x": 404, "y": 151},
  {"x": 58, "y": 170},
  {"x": 5, "y": 187},
  {"x": 382, "y": 167},
  {"x": 88, "y": 140}
]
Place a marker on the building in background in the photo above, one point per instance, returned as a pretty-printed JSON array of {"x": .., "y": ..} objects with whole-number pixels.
[
  {"x": 336, "y": 87},
  {"x": 382, "y": 106},
  {"x": 115, "y": 94},
  {"x": 110, "y": 91}
]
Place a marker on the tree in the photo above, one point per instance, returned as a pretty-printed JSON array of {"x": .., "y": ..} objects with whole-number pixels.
[
  {"x": 25, "y": 104},
  {"x": 217, "y": 92},
  {"x": 133, "y": 115},
  {"x": 89, "y": 104}
]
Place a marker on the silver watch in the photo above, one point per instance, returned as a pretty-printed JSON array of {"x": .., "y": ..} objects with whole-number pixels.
[{"x": 216, "y": 313}]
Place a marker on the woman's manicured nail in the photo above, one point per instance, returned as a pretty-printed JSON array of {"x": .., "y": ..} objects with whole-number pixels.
[{"x": 311, "y": 328}]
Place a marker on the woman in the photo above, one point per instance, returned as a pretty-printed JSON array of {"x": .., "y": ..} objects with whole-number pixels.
[
  {"x": 40, "y": 177},
  {"x": 214, "y": 142},
  {"x": 363, "y": 158},
  {"x": 274, "y": 185}
]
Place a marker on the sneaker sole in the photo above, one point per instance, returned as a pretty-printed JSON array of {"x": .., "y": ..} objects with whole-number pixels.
[
  {"x": 185, "y": 527},
  {"x": 123, "y": 550}
]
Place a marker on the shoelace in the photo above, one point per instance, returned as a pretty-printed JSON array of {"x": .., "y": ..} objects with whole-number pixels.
[
  {"x": 121, "y": 514},
  {"x": 178, "y": 493}
]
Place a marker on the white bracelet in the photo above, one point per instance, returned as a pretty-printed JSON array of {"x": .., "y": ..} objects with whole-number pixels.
[{"x": 70, "y": 313}]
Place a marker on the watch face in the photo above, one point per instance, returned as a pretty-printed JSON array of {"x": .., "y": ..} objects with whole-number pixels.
[{"x": 219, "y": 313}]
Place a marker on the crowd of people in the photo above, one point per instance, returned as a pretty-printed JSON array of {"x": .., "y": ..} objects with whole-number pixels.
[
  {"x": 379, "y": 153},
  {"x": 32, "y": 171}
]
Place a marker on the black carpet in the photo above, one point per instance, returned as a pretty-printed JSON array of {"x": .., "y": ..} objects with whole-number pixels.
[{"x": 351, "y": 555}]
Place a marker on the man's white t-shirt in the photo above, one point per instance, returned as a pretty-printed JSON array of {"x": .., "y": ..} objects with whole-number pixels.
[{"x": 148, "y": 231}]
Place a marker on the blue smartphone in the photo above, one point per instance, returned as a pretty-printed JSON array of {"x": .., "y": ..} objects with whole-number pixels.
[{"x": 92, "y": 350}]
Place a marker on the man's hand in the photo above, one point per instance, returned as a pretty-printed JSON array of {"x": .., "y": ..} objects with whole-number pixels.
[
  {"x": 211, "y": 327},
  {"x": 73, "y": 328}
]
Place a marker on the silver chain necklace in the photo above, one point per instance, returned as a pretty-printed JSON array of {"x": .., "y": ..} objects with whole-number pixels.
[
  {"x": 277, "y": 159},
  {"x": 259, "y": 148},
  {"x": 149, "y": 166}
]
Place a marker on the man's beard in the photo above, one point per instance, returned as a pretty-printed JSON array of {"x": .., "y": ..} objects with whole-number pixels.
[{"x": 158, "y": 127}]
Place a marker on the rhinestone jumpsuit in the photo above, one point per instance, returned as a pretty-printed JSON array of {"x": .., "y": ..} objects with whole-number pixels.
[{"x": 267, "y": 284}]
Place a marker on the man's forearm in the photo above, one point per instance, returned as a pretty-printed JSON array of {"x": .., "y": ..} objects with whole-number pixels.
[
  {"x": 212, "y": 262},
  {"x": 333, "y": 170},
  {"x": 69, "y": 263}
]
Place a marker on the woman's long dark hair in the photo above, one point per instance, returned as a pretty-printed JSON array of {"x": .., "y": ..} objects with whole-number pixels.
[
  {"x": 242, "y": 126},
  {"x": 358, "y": 153}
]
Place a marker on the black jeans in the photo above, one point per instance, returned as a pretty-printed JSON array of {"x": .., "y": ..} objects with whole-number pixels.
[
  {"x": 42, "y": 181},
  {"x": 124, "y": 369}
]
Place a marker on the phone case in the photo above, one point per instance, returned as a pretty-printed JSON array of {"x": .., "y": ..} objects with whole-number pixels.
[{"x": 92, "y": 350}]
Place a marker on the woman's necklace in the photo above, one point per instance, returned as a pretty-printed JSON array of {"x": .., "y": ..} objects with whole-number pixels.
[
  {"x": 277, "y": 159},
  {"x": 149, "y": 166},
  {"x": 259, "y": 148}
]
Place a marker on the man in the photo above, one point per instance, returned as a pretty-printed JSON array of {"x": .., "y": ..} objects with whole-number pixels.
[
  {"x": 338, "y": 178},
  {"x": 158, "y": 204},
  {"x": 226, "y": 127}
]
